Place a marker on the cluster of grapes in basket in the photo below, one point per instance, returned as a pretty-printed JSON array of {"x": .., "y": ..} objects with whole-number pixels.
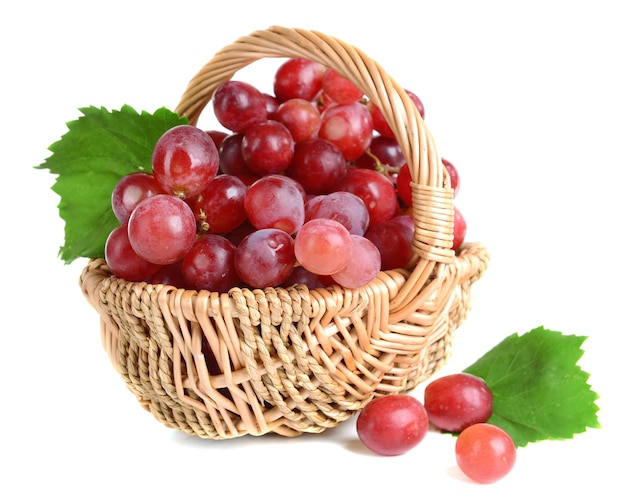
[
  {"x": 458, "y": 403},
  {"x": 306, "y": 185}
]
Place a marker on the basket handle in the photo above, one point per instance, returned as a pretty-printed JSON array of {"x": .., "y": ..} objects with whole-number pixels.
[{"x": 433, "y": 207}]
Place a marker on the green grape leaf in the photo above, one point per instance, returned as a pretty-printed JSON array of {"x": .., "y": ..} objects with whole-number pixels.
[
  {"x": 540, "y": 392},
  {"x": 98, "y": 149}
]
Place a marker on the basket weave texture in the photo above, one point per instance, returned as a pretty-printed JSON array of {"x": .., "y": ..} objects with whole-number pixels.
[{"x": 293, "y": 360}]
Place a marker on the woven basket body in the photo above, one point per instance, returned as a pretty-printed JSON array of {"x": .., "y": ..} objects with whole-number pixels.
[{"x": 294, "y": 360}]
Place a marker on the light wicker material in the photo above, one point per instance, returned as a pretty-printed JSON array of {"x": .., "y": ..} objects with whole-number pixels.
[{"x": 293, "y": 360}]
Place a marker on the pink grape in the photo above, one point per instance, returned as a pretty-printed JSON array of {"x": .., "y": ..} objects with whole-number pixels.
[
  {"x": 238, "y": 105},
  {"x": 349, "y": 127},
  {"x": 485, "y": 452},
  {"x": 123, "y": 260},
  {"x": 363, "y": 264},
  {"x": 184, "y": 160},
  {"x": 323, "y": 246},
  {"x": 267, "y": 148},
  {"x": 162, "y": 229},
  {"x": 130, "y": 190},
  {"x": 275, "y": 201},
  {"x": 265, "y": 258},
  {"x": 298, "y": 78},
  {"x": 210, "y": 264}
]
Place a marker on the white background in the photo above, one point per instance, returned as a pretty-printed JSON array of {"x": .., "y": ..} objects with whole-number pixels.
[{"x": 527, "y": 100}]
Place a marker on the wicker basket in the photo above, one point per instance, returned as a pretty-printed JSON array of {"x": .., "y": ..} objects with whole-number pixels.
[{"x": 294, "y": 360}]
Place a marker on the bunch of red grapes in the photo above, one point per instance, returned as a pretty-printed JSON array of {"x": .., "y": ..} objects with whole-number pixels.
[{"x": 306, "y": 185}]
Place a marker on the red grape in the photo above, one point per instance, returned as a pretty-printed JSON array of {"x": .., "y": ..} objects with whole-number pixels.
[
  {"x": 403, "y": 185},
  {"x": 209, "y": 264},
  {"x": 301, "y": 117},
  {"x": 248, "y": 179},
  {"x": 169, "y": 274},
  {"x": 391, "y": 425},
  {"x": 238, "y": 105},
  {"x": 217, "y": 136},
  {"x": 130, "y": 190},
  {"x": 317, "y": 164},
  {"x": 460, "y": 229},
  {"x": 237, "y": 235},
  {"x": 303, "y": 276},
  {"x": 404, "y": 179},
  {"x": 382, "y": 151},
  {"x": 267, "y": 147},
  {"x": 323, "y": 102},
  {"x": 265, "y": 258},
  {"x": 123, "y": 260},
  {"x": 345, "y": 207},
  {"x": 455, "y": 181},
  {"x": 220, "y": 207},
  {"x": 393, "y": 238},
  {"x": 407, "y": 220},
  {"x": 339, "y": 89},
  {"x": 375, "y": 189},
  {"x": 485, "y": 452},
  {"x": 162, "y": 229},
  {"x": 184, "y": 160},
  {"x": 380, "y": 123},
  {"x": 275, "y": 201},
  {"x": 231, "y": 156},
  {"x": 298, "y": 78},
  {"x": 456, "y": 401},
  {"x": 271, "y": 105},
  {"x": 311, "y": 205},
  {"x": 349, "y": 127}
]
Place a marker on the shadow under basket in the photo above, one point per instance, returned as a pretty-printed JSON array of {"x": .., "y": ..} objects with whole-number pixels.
[{"x": 293, "y": 360}]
